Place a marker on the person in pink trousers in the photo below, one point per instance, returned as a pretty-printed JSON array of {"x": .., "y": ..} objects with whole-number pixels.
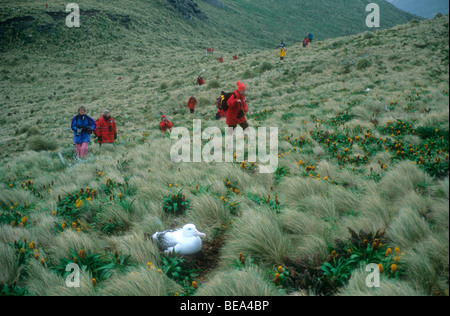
[{"x": 82, "y": 126}]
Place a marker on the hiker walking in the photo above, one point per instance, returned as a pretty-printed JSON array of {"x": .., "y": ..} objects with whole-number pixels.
[
  {"x": 106, "y": 130},
  {"x": 165, "y": 124},
  {"x": 237, "y": 108},
  {"x": 282, "y": 53},
  {"x": 235, "y": 57},
  {"x": 305, "y": 41},
  {"x": 310, "y": 37},
  {"x": 220, "y": 59},
  {"x": 191, "y": 104},
  {"x": 282, "y": 45},
  {"x": 200, "y": 81},
  {"x": 82, "y": 126}
]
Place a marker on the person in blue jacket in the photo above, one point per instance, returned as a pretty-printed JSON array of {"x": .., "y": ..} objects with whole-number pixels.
[
  {"x": 310, "y": 37},
  {"x": 82, "y": 126}
]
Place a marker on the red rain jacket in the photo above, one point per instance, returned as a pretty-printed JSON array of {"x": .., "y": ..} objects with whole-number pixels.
[
  {"x": 165, "y": 125},
  {"x": 191, "y": 103},
  {"x": 234, "y": 107},
  {"x": 106, "y": 130}
]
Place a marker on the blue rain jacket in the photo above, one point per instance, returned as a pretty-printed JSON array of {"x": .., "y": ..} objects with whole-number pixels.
[{"x": 86, "y": 124}]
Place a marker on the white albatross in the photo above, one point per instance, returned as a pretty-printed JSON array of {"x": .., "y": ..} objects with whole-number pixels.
[{"x": 183, "y": 241}]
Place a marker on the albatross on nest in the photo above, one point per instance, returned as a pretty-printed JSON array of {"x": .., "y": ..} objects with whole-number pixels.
[{"x": 183, "y": 241}]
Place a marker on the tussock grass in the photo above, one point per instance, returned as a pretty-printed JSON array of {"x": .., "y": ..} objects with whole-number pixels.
[
  {"x": 310, "y": 89},
  {"x": 41, "y": 143},
  {"x": 246, "y": 282},
  {"x": 9, "y": 271},
  {"x": 388, "y": 287},
  {"x": 258, "y": 233},
  {"x": 140, "y": 281},
  {"x": 408, "y": 228}
]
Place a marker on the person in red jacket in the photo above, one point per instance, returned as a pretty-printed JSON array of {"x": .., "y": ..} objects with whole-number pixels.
[
  {"x": 200, "y": 81},
  {"x": 237, "y": 108},
  {"x": 220, "y": 59},
  {"x": 165, "y": 124},
  {"x": 191, "y": 104},
  {"x": 106, "y": 130},
  {"x": 235, "y": 57}
]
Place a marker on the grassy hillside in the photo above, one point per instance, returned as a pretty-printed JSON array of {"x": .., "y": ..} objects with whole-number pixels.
[
  {"x": 375, "y": 161},
  {"x": 30, "y": 26}
]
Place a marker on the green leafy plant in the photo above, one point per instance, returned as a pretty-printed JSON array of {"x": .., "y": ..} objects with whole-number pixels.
[
  {"x": 99, "y": 266},
  {"x": 13, "y": 290},
  {"x": 178, "y": 269},
  {"x": 176, "y": 204}
]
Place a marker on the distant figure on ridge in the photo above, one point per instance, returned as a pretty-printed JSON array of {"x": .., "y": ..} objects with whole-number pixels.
[
  {"x": 282, "y": 53},
  {"x": 310, "y": 37},
  {"x": 305, "y": 41}
]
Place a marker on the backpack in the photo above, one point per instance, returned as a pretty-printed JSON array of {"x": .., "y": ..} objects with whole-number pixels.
[{"x": 222, "y": 101}]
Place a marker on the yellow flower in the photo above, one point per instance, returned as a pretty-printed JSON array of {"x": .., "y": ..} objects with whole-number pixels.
[
  {"x": 325, "y": 178},
  {"x": 397, "y": 259},
  {"x": 277, "y": 277},
  {"x": 195, "y": 285},
  {"x": 94, "y": 282},
  {"x": 394, "y": 268},
  {"x": 82, "y": 254},
  {"x": 24, "y": 220},
  {"x": 159, "y": 271},
  {"x": 380, "y": 268},
  {"x": 31, "y": 245},
  {"x": 221, "y": 197},
  {"x": 43, "y": 261},
  {"x": 388, "y": 252},
  {"x": 280, "y": 269},
  {"x": 397, "y": 250},
  {"x": 170, "y": 185}
]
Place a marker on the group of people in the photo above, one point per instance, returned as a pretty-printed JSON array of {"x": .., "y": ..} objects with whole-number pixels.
[
  {"x": 233, "y": 106},
  {"x": 221, "y": 60},
  {"x": 306, "y": 41},
  {"x": 83, "y": 126}
]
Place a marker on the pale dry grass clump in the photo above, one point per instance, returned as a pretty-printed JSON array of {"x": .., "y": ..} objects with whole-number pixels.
[
  {"x": 208, "y": 213},
  {"x": 246, "y": 282},
  {"x": 9, "y": 270},
  {"x": 259, "y": 234},
  {"x": 44, "y": 282},
  {"x": 427, "y": 263},
  {"x": 357, "y": 286},
  {"x": 136, "y": 244},
  {"x": 140, "y": 281},
  {"x": 403, "y": 178},
  {"x": 408, "y": 228}
]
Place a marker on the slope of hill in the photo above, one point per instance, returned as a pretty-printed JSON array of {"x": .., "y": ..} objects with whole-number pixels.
[
  {"x": 246, "y": 24},
  {"x": 424, "y": 8},
  {"x": 363, "y": 126}
]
